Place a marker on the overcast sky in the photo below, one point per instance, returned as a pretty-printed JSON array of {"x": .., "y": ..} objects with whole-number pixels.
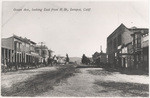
[{"x": 72, "y": 32}]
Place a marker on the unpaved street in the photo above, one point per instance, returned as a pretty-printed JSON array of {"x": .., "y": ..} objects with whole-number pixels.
[
  {"x": 98, "y": 82},
  {"x": 68, "y": 81}
]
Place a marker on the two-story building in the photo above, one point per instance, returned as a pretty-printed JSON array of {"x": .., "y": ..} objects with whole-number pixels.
[
  {"x": 44, "y": 52},
  {"x": 115, "y": 41},
  {"x": 18, "y": 50},
  {"x": 145, "y": 50},
  {"x": 131, "y": 48},
  {"x": 100, "y": 58}
]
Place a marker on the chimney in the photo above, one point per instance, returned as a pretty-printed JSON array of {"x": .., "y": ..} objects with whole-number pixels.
[{"x": 100, "y": 48}]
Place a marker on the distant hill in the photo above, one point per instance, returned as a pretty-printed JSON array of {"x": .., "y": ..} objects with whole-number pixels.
[{"x": 77, "y": 59}]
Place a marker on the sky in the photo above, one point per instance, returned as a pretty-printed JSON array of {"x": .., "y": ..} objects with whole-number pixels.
[{"x": 72, "y": 32}]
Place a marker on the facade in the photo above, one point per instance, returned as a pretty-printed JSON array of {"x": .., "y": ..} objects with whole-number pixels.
[
  {"x": 132, "y": 53},
  {"x": 140, "y": 48},
  {"x": 18, "y": 51},
  {"x": 103, "y": 58},
  {"x": 43, "y": 51},
  {"x": 7, "y": 50},
  {"x": 115, "y": 41},
  {"x": 145, "y": 50},
  {"x": 95, "y": 58},
  {"x": 124, "y": 57},
  {"x": 100, "y": 58}
]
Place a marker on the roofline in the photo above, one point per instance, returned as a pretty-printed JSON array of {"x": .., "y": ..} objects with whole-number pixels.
[
  {"x": 130, "y": 29},
  {"x": 115, "y": 30},
  {"x": 23, "y": 39},
  {"x": 138, "y": 29}
]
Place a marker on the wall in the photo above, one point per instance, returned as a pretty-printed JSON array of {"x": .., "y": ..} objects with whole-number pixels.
[
  {"x": 126, "y": 37},
  {"x": 121, "y": 36},
  {"x": 7, "y": 43}
]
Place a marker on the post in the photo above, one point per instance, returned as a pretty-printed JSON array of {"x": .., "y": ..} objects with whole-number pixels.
[
  {"x": 10, "y": 55},
  {"x": 4, "y": 56},
  {"x": 7, "y": 55}
]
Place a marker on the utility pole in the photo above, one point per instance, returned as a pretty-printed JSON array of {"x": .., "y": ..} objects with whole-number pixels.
[
  {"x": 41, "y": 44},
  {"x": 100, "y": 48}
]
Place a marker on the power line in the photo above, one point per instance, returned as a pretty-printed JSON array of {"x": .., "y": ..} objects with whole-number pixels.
[{"x": 13, "y": 15}]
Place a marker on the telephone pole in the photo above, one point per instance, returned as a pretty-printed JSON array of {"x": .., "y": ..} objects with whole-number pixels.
[{"x": 100, "y": 48}]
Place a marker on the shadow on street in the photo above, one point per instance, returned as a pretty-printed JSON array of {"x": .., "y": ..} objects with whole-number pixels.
[
  {"x": 39, "y": 83},
  {"x": 126, "y": 89}
]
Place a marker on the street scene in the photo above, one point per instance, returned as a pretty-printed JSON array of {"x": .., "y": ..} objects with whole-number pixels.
[
  {"x": 75, "y": 49},
  {"x": 68, "y": 81}
]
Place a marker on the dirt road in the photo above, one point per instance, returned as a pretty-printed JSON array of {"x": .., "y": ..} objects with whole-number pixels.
[
  {"x": 68, "y": 81},
  {"x": 34, "y": 81},
  {"x": 92, "y": 82}
]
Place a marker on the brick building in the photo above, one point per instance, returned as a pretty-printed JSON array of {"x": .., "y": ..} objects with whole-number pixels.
[
  {"x": 145, "y": 50},
  {"x": 115, "y": 41},
  {"x": 131, "y": 49},
  {"x": 138, "y": 34}
]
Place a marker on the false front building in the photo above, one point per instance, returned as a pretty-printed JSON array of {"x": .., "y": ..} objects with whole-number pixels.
[{"x": 120, "y": 37}]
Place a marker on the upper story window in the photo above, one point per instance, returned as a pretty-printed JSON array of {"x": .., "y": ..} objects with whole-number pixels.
[
  {"x": 32, "y": 48},
  {"x": 115, "y": 43},
  {"x": 119, "y": 39},
  {"x": 17, "y": 46}
]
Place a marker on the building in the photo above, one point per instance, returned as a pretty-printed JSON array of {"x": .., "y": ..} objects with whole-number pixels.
[
  {"x": 99, "y": 58},
  {"x": 135, "y": 54},
  {"x": 61, "y": 60},
  {"x": 18, "y": 51},
  {"x": 44, "y": 52},
  {"x": 145, "y": 50},
  {"x": 7, "y": 50},
  {"x": 95, "y": 58},
  {"x": 131, "y": 49},
  {"x": 103, "y": 58},
  {"x": 115, "y": 41}
]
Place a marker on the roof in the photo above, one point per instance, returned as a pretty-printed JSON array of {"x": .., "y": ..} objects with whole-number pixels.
[
  {"x": 23, "y": 39},
  {"x": 120, "y": 28},
  {"x": 102, "y": 53},
  {"x": 141, "y": 30},
  {"x": 137, "y": 28},
  {"x": 41, "y": 47},
  {"x": 96, "y": 54}
]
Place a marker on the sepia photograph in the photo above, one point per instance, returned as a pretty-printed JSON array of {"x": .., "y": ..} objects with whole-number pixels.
[{"x": 75, "y": 48}]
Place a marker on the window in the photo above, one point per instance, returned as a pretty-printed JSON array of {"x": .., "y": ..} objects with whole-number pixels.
[
  {"x": 119, "y": 40},
  {"x": 115, "y": 45},
  {"x": 15, "y": 45}
]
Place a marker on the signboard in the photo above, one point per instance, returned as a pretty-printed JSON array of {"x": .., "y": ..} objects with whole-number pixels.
[{"x": 119, "y": 47}]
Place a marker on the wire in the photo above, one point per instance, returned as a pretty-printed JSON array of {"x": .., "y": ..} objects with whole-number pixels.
[{"x": 13, "y": 15}]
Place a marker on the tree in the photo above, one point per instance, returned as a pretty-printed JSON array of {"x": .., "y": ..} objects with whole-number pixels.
[
  {"x": 85, "y": 60},
  {"x": 67, "y": 58}
]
